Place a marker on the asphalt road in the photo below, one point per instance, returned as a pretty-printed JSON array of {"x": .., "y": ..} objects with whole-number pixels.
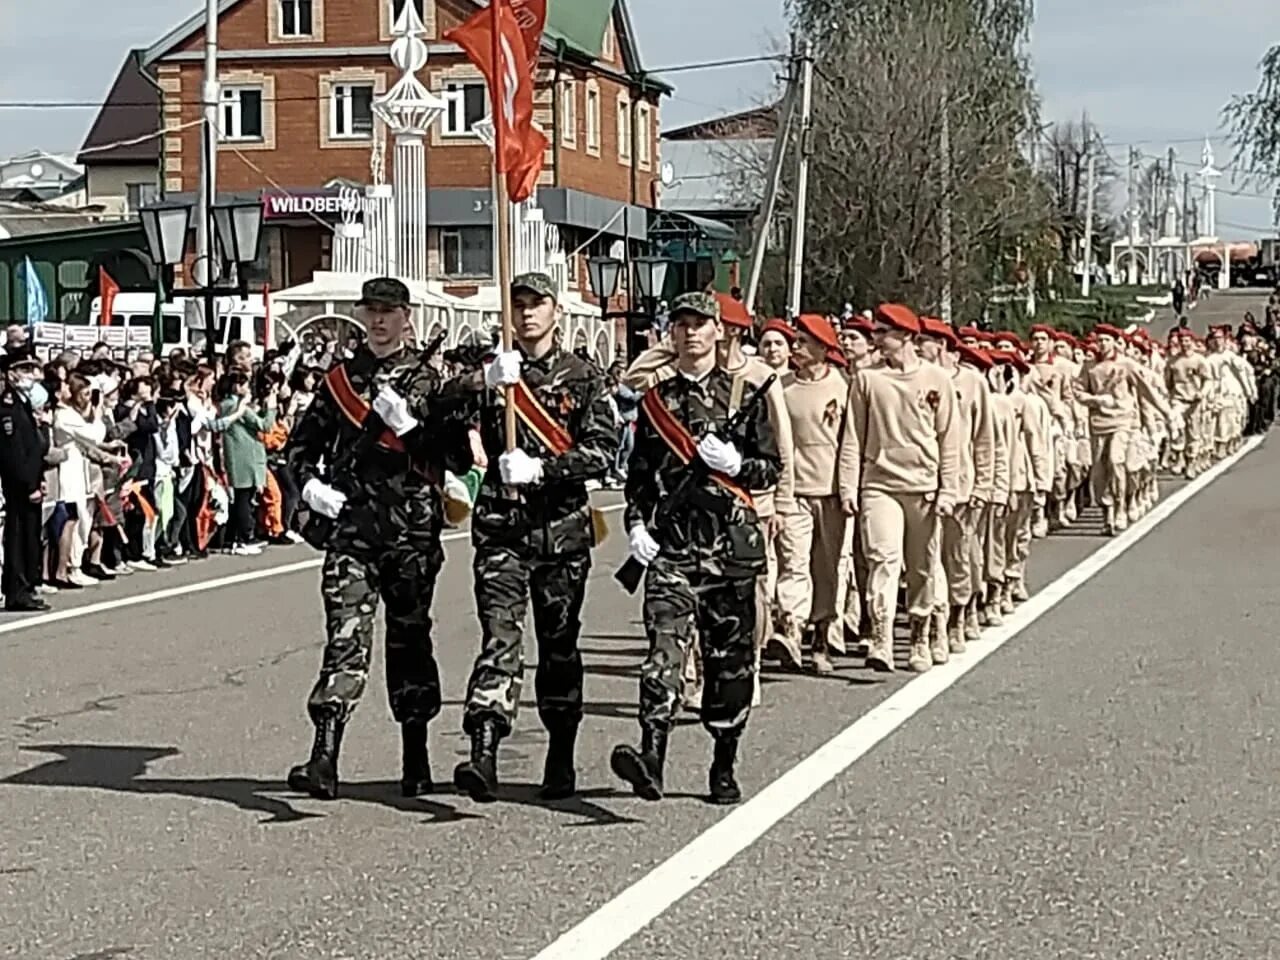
[{"x": 1099, "y": 786}]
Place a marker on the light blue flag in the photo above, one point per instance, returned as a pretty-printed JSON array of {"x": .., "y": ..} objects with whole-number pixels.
[{"x": 37, "y": 299}]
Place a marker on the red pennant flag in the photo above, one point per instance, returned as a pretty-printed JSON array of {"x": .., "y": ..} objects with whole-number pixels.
[{"x": 107, "y": 290}]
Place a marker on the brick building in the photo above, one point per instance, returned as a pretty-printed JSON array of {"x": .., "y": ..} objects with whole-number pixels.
[{"x": 298, "y": 79}]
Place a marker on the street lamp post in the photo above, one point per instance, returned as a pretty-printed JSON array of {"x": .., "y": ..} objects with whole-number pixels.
[
  {"x": 603, "y": 274},
  {"x": 238, "y": 225}
]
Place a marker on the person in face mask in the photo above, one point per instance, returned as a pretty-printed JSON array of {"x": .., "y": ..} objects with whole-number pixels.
[{"x": 23, "y": 447}]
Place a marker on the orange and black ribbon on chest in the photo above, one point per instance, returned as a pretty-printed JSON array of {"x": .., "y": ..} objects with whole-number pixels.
[{"x": 682, "y": 443}]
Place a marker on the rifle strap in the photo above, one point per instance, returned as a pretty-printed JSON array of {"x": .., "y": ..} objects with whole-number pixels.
[
  {"x": 540, "y": 423},
  {"x": 681, "y": 443},
  {"x": 354, "y": 407}
]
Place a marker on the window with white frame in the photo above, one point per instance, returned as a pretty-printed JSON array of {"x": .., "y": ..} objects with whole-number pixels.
[
  {"x": 240, "y": 113},
  {"x": 569, "y": 113},
  {"x": 465, "y": 104},
  {"x": 644, "y": 136},
  {"x": 624, "y": 128},
  {"x": 295, "y": 18},
  {"x": 138, "y": 195},
  {"x": 593, "y": 118},
  {"x": 466, "y": 251},
  {"x": 351, "y": 111}
]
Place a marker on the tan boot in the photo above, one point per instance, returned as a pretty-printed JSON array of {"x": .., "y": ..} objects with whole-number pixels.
[
  {"x": 785, "y": 643},
  {"x": 992, "y": 606},
  {"x": 880, "y": 648},
  {"x": 955, "y": 630},
  {"x": 821, "y": 649},
  {"x": 972, "y": 625},
  {"x": 1019, "y": 589},
  {"x": 939, "y": 646},
  {"x": 835, "y": 637},
  {"x": 1006, "y": 599},
  {"x": 921, "y": 660}
]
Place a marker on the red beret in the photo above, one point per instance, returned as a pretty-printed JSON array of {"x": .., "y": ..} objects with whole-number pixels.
[
  {"x": 969, "y": 332},
  {"x": 1007, "y": 336},
  {"x": 1044, "y": 328},
  {"x": 1063, "y": 337},
  {"x": 933, "y": 327},
  {"x": 818, "y": 327},
  {"x": 779, "y": 326},
  {"x": 733, "y": 312},
  {"x": 858, "y": 324},
  {"x": 977, "y": 358},
  {"x": 897, "y": 316},
  {"x": 837, "y": 358},
  {"x": 1107, "y": 330},
  {"x": 1010, "y": 358}
]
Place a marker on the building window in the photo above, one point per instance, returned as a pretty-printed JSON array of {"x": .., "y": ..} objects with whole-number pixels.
[
  {"x": 465, "y": 104},
  {"x": 351, "y": 111},
  {"x": 295, "y": 18},
  {"x": 569, "y": 114},
  {"x": 397, "y": 8},
  {"x": 593, "y": 118},
  {"x": 138, "y": 195},
  {"x": 241, "y": 113},
  {"x": 624, "y": 128},
  {"x": 466, "y": 252},
  {"x": 644, "y": 136}
]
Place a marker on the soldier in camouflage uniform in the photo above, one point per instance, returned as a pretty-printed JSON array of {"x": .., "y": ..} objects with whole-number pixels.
[
  {"x": 1262, "y": 357},
  {"x": 702, "y": 566},
  {"x": 532, "y": 529},
  {"x": 379, "y": 522}
]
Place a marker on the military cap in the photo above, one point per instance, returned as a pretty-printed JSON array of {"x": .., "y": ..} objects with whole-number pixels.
[
  {"x": 538, "y": 283},
  {"x": 819, "y": 328},
  {"x": 21, "y": 357},
  {"x": 779, "y": 326},
  {"x": 383, "y": 292},
  {"x": 1044, "y": 328},
  {"x": 697, "y": 302},
  {"x": 934, "y": 327},
  {"x": 733, "y": 312},
  {"x": 1107, "y": 330},
  {"x": 976, "y": 358},
  {"x": 897, "y": 316},
  {"x": 1007, "y": 336}
]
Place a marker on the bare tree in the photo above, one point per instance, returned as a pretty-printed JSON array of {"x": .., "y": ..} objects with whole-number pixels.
[{"x": 1064, "y": 165}]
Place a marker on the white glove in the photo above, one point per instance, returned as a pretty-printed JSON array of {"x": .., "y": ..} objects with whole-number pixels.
[
  {"x": 503, "y": 370},
  {"x": 642, "y": 546},
  {"x": 518, "y": 468},
  {"x": 394, "y": 411},
  {"x": 720, "y": 456},
  {"x": 323, "y": 499}
]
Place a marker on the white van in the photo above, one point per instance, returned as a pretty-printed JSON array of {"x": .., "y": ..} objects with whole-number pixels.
[{"x": 239, "y": 318}]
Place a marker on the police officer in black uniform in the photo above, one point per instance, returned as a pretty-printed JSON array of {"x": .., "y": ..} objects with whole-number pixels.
[{"x": 23, "y": 447}]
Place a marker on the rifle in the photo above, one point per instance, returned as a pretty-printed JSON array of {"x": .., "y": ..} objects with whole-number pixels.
[
  {"x": 319, "y": 528},
  {"x": 631, "y": 573}
]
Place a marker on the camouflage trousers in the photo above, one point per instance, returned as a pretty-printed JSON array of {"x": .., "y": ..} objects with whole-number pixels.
[
  {"x": 405, "y": 581},
  {"x": 718, "y": 613},
  {"x": 507, "y": 583}
]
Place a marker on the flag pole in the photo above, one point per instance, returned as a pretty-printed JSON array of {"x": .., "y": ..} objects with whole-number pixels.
[{"x": 502, "y": 209}]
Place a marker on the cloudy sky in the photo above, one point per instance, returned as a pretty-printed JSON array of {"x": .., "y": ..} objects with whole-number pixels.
[{"x": 1145, "y": 70}]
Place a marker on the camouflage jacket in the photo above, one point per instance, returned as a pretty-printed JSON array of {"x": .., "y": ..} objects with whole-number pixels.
[
  {"x": 1263, "y": 360},
  {"x": 392, "y": 489},
  {"x": 717, "y": 531},
  {"x": 571, "y": 409}
]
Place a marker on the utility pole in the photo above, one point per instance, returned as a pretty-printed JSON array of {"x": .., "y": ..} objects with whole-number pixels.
[
  {"x": 945, "y": 149},
  {"x": 1087, "y": 252},
  {"x": 795, "y": 280},
  {"x": 1131, "y": 215},
  {"x": 764, "y": 222},
  {"x": 207, "y": 187}
]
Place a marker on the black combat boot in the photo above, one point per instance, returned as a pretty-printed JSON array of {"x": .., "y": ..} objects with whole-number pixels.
[
  {"x": 478, "y": 777},
  {"x": 319, "y": 775},
  {"x": 559, "y": 778},
  {"x": 724, "y": 787},
  {"x": 415, "y": 776},
  {"x": 642, "y": 768}
]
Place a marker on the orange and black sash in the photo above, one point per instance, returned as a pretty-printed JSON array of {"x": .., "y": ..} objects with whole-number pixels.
[
  {"x": 535, "y": 416},
  {"x": 354, "y": 407},
  {"x": 677, "y": 437}
]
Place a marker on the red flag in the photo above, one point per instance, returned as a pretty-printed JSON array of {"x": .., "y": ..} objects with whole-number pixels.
[
  {"x": 107, "y": 290},
  {"x": 511, "y": 85},
  {"x": 523, "y": 179}
]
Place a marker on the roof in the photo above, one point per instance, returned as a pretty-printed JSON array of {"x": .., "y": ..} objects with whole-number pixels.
[
  {"x": 753, "y": 123},
  {"x": 709, "y": 174},
  {"x": 20, "y": 219},
  {"x": 131, "y": 111}
]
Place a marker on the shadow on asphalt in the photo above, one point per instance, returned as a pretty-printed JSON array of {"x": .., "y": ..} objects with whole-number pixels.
[{"x": 122, "y": 769}]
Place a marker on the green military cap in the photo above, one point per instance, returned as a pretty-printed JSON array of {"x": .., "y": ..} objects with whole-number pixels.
[
  {"x": 383, "y": 292},
  {"x": 539, "y": 283},
  {"x": 699, "y": 302}
]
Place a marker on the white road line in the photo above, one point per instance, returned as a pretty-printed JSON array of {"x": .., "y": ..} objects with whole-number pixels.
[
  {"x": 249, "y": 576},
  {"x": 617, "y": 921}
]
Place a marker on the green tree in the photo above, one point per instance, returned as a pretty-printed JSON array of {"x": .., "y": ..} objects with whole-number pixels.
[{"x": 1254, "y": 120}]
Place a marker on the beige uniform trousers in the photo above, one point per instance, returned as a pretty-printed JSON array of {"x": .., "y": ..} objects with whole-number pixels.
[
  {"x": 809, "y": 559},
  {"x": 961, "y": 554},
  {"x": 900, "y": 534},
  {"x": 851, "y": 589},
  {"x": 993, "y": 559},
  {"x": 1017, "y": 536},
  {"x": 767, "y": 584},
  {"x": 1109, "y": 476}
]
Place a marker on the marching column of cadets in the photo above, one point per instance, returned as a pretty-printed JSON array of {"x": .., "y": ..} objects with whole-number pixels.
[{"x": 889, "y": 461}]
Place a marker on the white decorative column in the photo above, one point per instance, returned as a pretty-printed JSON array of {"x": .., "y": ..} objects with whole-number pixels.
[{"x": 408, "y": 109}]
